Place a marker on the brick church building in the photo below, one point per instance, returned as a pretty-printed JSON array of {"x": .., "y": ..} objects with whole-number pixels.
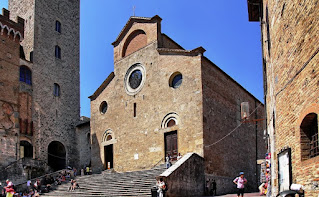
[{"x": 162, "y": 99}]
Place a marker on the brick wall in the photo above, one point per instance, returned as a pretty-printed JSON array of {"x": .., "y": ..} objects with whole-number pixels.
[
  {"x": 135, "y": 41},
  {"x": 290, "y": 37},
  {"x": 222, "y": 98},
  {"x": 9, "y": 92}
]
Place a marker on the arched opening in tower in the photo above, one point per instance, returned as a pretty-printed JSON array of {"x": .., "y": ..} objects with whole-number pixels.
[{"x": 56, "y": 155}]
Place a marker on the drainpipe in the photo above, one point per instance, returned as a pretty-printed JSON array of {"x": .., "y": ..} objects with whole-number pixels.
[{"x": 264, "y": 68}]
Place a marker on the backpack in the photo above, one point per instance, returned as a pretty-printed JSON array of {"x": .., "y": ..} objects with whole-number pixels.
[{"x": 165, "y": 188}]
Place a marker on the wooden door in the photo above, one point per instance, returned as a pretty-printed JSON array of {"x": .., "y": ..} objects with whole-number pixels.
[{"x": 171, "y": 144}]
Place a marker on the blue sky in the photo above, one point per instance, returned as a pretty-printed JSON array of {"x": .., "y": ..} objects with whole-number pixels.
[{"x": 221, "y": 27}]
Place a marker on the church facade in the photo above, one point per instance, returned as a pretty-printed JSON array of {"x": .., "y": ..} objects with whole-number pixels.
[{"x": 163, "y": 100}]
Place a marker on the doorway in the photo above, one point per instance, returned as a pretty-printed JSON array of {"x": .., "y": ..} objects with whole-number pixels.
[
  {"x": 26, "y": 149},
  {"x": 56, "y": 155},
  {"x": 108, "y": 156},
  {"x": 171, "y": 144}
]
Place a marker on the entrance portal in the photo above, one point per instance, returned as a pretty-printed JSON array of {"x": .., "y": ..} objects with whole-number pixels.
[
  {"x": 108, "y": 156},
  {"x": 56, "y": 155},
  {"x": 26, "y": 149},
  {"x": 171, "y": 144}
]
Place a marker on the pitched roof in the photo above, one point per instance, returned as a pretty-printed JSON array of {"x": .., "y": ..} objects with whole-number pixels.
[{"x": 105, "y": 83}]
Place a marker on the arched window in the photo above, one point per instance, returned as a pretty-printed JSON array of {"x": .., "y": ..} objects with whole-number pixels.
[
  {"x": 57, "y": 52},
  {"x": 309, "y": 136},
  {"x": 109, "y": 137},
  {"x": 58, "y": 26},
  {"x": 171, "y": 123},
  {"x": 25, "y": 75},
  {"x": 56, "y": 90}
]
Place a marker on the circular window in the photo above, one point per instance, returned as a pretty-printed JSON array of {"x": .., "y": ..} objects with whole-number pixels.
[
  {"x": 176, "y": 80},
  {"x": 134, "y": 79},
  {"x": 103, "y": 107}
]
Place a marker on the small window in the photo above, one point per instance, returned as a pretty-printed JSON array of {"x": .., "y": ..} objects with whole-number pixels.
[
  {"x": 25, "y": 75},
  {"x": 309, "y": 137},
  {"x": 134, "y": 109},
  {"x": 22, "y": 54},
  {"x": 88, "y": 137},
  {"x": 103, "y": 107},
  {"x": 58, "y": 26},
  {"x": 109, "y": 137},
  {"x": 57, "y": 52},
  {"x": 31, "y": 56},
  {"x": 176, "y": 80},
  {"x": 56, "y": 91}
]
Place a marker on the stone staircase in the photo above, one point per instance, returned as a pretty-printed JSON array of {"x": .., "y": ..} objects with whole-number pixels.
[{"x": 136, "y": 183}]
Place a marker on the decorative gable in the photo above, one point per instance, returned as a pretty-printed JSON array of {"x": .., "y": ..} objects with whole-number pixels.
[{"x": 137, "y": 33}]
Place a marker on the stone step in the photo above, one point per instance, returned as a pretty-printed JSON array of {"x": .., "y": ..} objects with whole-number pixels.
[{"x": 110, "y": 183}]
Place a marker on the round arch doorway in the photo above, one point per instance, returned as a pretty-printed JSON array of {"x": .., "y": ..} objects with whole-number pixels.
[{"x": 56, "y": 155}]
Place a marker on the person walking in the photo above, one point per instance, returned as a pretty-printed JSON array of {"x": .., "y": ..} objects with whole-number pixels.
[
  {"x": 168, "y": 161},
  {"x": 213, "y": 188},
  {"x": 160, "y": 187},
  {"x": 240, "y": 182}
]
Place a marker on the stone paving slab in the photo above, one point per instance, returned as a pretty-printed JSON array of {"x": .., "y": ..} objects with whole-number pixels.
[{"x": 235, "y": 195}]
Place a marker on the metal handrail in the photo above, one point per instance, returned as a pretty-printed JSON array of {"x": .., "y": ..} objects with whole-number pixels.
[{"x": 158, "y": 162}]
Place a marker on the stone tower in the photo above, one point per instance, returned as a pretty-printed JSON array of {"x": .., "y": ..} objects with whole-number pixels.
[{"x": 51, "y": 42}]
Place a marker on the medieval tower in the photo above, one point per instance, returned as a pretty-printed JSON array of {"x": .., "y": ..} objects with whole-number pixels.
[{"x": 51, "y": 42}]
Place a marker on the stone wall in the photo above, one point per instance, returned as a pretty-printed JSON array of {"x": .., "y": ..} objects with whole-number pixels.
[
  {"x": 230, "y": 146},
  {"x": 186, "y": 177},
  {"x": 206, "y": 107},
  {"x": 290, "y": 45},
  {"x": 24, "y": 9},
  {"x": 155, "y": 101},
  {"x": 54, "y": 117},
  {"x": 83, "y": 136}
]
